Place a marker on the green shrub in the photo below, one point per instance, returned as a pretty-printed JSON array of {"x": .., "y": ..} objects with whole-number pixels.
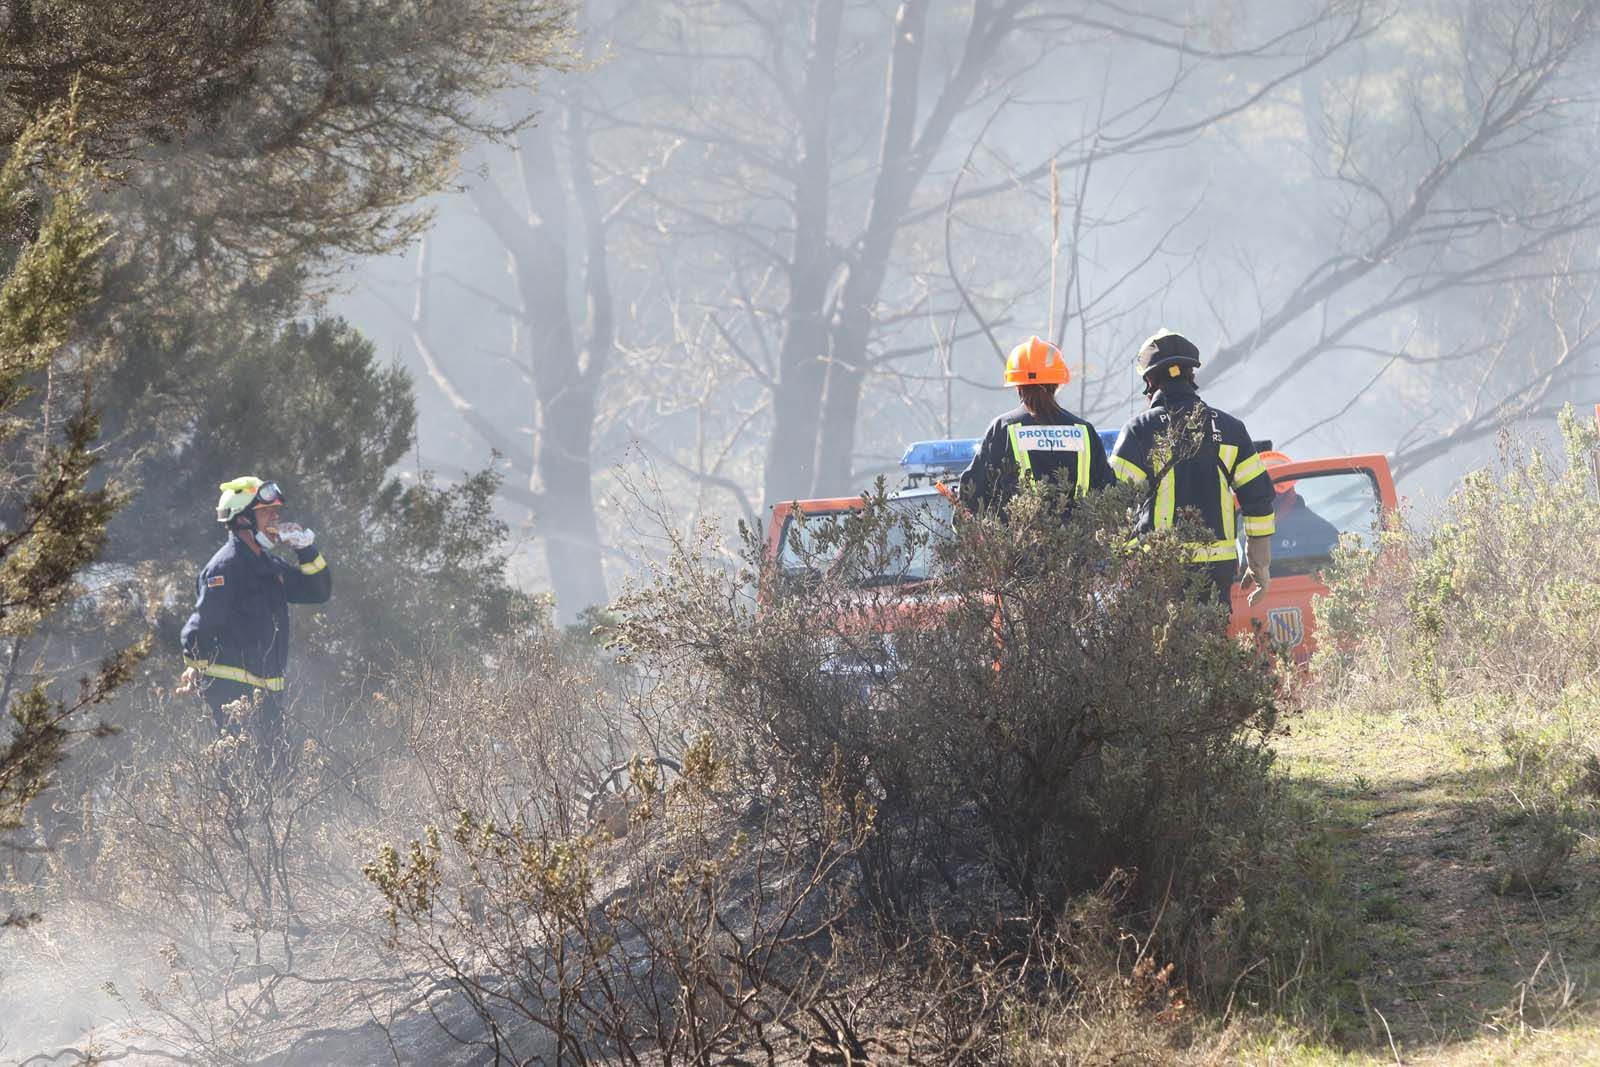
[
  {"x": 1050, "y": 711},
  {"x": 1042, "y": 779},
  {"x": 1497, "y": 597}
]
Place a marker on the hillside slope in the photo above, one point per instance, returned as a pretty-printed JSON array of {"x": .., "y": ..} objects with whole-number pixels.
[{"x": 1449, "y": 958}]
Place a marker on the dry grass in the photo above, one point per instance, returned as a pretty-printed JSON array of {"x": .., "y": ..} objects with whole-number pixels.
[{"x": 1442, "y": 967}]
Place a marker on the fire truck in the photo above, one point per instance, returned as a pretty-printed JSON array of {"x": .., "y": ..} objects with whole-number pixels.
[{"x": 1318, "y": 501}]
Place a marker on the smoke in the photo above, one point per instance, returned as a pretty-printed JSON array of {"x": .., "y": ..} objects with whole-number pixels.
[{"x": 1240, "y": 172}]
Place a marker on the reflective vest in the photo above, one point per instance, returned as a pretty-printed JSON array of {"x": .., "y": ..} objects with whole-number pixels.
[
  {"x": 1200, "y": 460},
  {"x": 1018, "y": 446},
  {"x": 1052, "y": 441}
]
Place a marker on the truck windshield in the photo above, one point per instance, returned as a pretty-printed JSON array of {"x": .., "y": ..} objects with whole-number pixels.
[
  {"x": 1314, "y": 510},
  {"x": 905, "y": 555}
]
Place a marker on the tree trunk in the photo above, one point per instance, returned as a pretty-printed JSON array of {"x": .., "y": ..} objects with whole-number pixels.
[
  {"x": 802, "y": 372},
  {"x": 836, "y": 431},
  {"x": 567, "y": 521},
  {"x": 564, "y": 393},
  {"x": 563, "y": 379},
  {"x": 900, "y": 166}
]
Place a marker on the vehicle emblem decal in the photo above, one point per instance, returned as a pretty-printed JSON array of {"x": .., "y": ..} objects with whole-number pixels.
[{"x": 1286, "y": 626}]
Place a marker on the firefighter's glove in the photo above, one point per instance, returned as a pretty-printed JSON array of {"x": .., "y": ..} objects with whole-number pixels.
[
  {"x": 296, "y": 536},
  {"x": 1258, "y": 567},
  {"x": 188, "y": 682}
]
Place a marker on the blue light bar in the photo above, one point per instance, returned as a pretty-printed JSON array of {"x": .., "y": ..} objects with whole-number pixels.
[
  {"x": 1109, "y": 439},
  {"x": 925, "y": 456}
]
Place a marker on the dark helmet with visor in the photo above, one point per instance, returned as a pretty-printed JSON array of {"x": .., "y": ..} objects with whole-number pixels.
[{"x": 1166, "y": 351}]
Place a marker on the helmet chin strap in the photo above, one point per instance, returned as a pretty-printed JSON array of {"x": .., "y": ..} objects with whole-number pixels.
[{"x": 247, "y": 519}]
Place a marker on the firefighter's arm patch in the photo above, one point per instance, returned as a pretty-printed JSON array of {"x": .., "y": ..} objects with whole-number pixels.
[{"x": 216, "y": 581}]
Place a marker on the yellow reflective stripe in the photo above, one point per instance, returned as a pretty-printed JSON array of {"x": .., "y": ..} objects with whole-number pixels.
[
  {"x": 1166, "y": 501},
  {"x": 1212, "y": 552},
  {"x": 1229, "y": 529},
  {"x": 1248, "y": 471},
  {"x": 1084, "y": 454},
  {"x": 1260, "y": 525},
  {"x": 234, "y": 674},
  {"x": 1228, "y": 455},
  {"x": 1024, "y": 461},
  {"x": 315, "y": 566},
  {"x": 1128, "y": 471}
]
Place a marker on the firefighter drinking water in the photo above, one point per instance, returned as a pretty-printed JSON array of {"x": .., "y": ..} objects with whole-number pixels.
[
  {"x": 237, "y": 641},
  {"x": 1039, "y": 439},
  {"x": 1192, "y": 458}
]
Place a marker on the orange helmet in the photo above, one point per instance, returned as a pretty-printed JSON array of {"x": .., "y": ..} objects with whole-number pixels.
[
  {"x": 1037, "y": 362},
  {"x": 1273, "y": 458}
]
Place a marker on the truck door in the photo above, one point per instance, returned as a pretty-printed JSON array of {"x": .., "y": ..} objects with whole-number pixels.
[{"x": 1318, "y": 501}]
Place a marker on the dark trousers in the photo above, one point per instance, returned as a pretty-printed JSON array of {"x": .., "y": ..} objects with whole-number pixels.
[
  {"x": 261, "y": 724},
  {"x": 1220, "y": 578}
]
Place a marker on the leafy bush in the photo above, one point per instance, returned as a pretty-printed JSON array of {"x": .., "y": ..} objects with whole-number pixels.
[
  {"x": 1050, "y": 711},
  {"x": 995, "y": 774},
  {"x": 1496, "y": 597}
]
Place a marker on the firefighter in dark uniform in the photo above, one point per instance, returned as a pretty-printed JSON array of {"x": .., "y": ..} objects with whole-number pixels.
[
  {"x": 237, "y": 641},
  {"x": 1039, "y": 439},
  {"x": 1192, "y": 458}
]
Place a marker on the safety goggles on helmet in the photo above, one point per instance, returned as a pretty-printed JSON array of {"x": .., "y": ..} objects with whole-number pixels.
[{"x": 243, "y": 494}]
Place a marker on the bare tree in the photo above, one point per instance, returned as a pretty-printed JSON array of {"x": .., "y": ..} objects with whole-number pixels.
[
  {"x": 567, "y": 352},
  {"x": 827, "y": 211},
  {"x": 1461, "y": 231},
  {"x": 844, "y": 228},
  {"x": 784, "y": 245}
]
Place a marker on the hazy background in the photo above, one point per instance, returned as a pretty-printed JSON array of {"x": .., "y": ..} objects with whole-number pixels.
[{"x": 740, "y": 237}]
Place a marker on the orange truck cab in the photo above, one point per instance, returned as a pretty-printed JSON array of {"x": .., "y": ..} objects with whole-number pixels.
[
  {"x": 925, "y": 464},
  {"x": 1319, "y": 500}
]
